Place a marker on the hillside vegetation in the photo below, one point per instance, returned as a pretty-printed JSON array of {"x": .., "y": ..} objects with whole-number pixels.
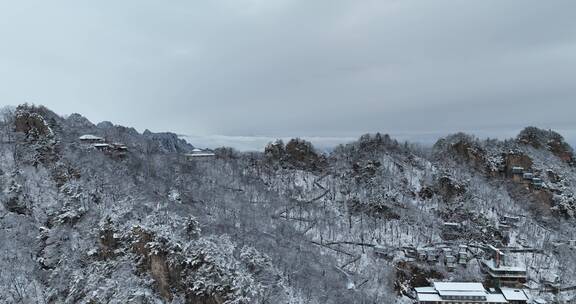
[{"x": 288, "y": 225}]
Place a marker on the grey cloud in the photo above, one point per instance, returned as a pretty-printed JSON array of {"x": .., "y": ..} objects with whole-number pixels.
[{"x": 279, "y": 68}]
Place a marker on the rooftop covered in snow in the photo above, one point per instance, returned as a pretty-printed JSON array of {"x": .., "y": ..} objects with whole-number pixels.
[
  {"x": 514, "y": 294},
  {"x": 199, "y": 153},
  {"x": 458, "y": 286},
  {"x": 451, "y": 292},
  {"x": 90, "y": 137}
]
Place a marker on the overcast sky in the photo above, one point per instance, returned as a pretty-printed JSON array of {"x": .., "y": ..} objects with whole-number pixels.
[{"x": 276, "y": 68}]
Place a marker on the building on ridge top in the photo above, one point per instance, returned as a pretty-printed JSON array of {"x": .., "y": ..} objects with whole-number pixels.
[
  {"x": 91, "y": 139},
  {"x": 199, "y": 154}
]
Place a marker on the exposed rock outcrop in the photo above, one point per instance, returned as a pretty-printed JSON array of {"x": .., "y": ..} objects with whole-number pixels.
[
  {"x": 516, "y": 159},
  {"x": 410, "y": 274},
  {"x": 32, "y": 124},
  {"x": 167, "y": 142},
  {"x": 296, "y": 154},
  {"x": 449, "y": 188},
  {"x": 78, "y": 121},
  {"x": 547, "y": 139}
]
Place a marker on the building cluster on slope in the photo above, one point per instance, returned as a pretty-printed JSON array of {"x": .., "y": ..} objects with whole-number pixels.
[
  {"x": 99, "y": 143},
  {"x": 504, "y": 279},
  {"x": 450, "y": 256},
  {"x": 119, "y": 149},
  {"x": 519, "y": 174}
]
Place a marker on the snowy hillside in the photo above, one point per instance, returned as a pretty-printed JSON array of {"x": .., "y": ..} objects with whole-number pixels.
[{"x": 124, "y": 217}]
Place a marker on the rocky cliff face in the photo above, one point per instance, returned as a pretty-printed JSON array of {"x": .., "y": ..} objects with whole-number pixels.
[
  {"x": 289, "y": 225},
  {"x": 538, "y": 153},
  {"x": 168, "y": 142},
  {"x": 296, "y": 154},
  {"x": 547, "y": 139},
  {"x": 77, "y": 121},
  {"x": 31, "y": 123}
]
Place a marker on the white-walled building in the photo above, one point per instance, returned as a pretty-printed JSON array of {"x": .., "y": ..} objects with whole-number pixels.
[{"x": 457, "y": 292}]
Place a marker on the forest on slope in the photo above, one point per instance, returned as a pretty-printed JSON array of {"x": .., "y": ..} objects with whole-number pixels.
[{"x": 286, "y": 225}]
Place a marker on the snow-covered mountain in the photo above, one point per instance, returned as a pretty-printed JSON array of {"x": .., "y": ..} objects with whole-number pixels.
[{"x": 124, "y": 217}]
